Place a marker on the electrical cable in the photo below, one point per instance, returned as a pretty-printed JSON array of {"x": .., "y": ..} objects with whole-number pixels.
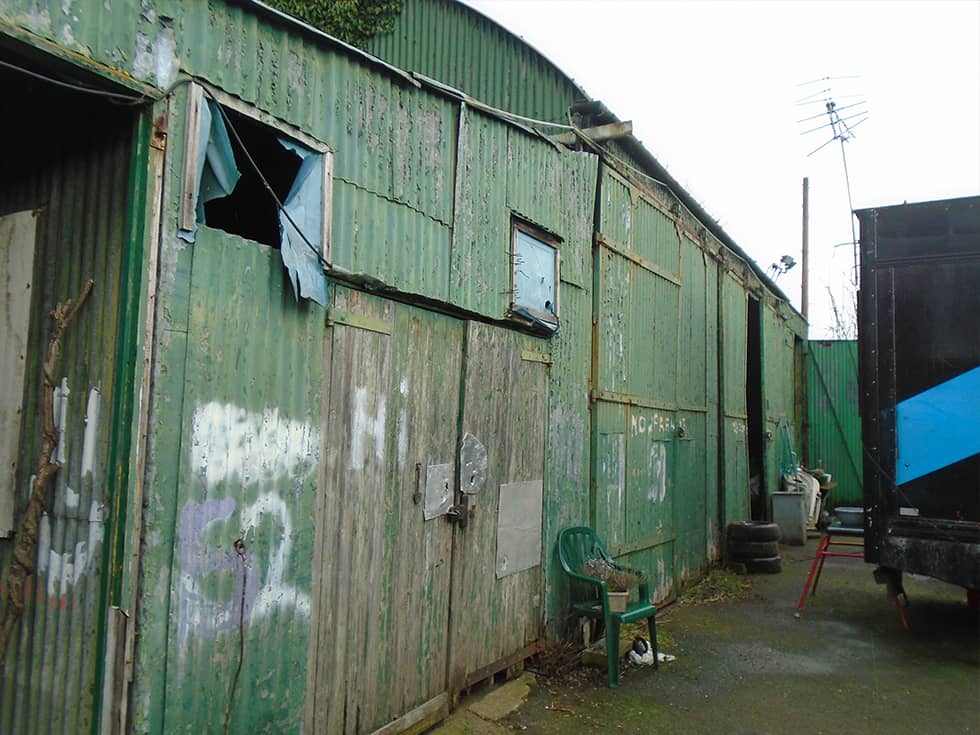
[
  {"x": 514, "y": 116},
  {"x": 130, "y": 100},
  {"x": 126, "y": 98},
  {"x": 239, "y": 547}
]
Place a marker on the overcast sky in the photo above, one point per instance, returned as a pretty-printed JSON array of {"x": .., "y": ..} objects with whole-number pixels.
[{"x": 712, "y": 87}]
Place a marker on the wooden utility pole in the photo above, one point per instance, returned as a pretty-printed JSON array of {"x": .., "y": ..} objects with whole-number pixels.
[{"x": 806, "y": 246}]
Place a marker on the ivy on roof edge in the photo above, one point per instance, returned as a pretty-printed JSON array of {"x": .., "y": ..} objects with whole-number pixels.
[{"x": 352, "y": 21}]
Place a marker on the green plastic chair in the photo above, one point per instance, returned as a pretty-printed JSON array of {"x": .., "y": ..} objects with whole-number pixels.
[{"x": 590, "y": 596}]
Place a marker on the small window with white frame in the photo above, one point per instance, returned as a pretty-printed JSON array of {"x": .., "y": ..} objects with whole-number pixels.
[{"x": 534, "y": 276}]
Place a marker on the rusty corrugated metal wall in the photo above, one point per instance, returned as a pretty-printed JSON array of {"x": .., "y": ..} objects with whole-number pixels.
[
  {"x": 834, "y": 427},
  {"x": 78, "y": 180}
]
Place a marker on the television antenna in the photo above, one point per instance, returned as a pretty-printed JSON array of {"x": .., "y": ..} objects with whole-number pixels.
[{"x": 840, "y": 128}]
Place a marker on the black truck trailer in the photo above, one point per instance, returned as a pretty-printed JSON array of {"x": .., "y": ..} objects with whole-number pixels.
[{"x": 919, "y": 365}]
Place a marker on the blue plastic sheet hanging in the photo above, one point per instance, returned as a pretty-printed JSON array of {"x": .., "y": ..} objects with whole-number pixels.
[
  {"x": 303, "y": 256},
  {"x": 217, "y": 172}
]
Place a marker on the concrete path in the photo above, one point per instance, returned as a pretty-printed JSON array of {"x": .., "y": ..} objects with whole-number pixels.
[{"x": 748, "y": 666}]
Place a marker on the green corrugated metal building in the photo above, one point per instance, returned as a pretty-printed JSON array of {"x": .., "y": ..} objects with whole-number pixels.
[
  {"x": 834, "y": 432},
  {"x": 314, "y": 457}
]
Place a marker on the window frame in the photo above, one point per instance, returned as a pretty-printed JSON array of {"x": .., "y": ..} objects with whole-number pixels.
[
  {"x": 549, "y": 239},
  {"x": 190, "y": 185}
]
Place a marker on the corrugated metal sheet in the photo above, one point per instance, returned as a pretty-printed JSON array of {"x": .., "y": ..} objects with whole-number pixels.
[
  {"x": 656, "y": 238},
  {"x": 537, "y": 197},
  {"x": 616, "y": 208},
  {"x": 695, "y": 320},
  {"x": 834, "y": 435},
  {"x": 567, "y": 452},
  {"x": 613, "y": 336},
  {"x": 481, "y": 232},
  {"x": 714, "y": 425},
  {"x": 696, "y": 478},
  {"x": 113, "y": 34},
  {"x": 638, "y": 343},
  {"x": 457, "y": 45},
  {"x": 372, "y": 234},
  {"x": 78, "y": 177},
  {"x": 733, "y": 343},
  {"x": 783, "y": 449},
  {"x": 662, "y": 318},
  {"x": 400, "y": 144},
  {"x": 493, "y": 183},
  {"x": 392, "y": 139},
  {"x": 236, "y": 440}
]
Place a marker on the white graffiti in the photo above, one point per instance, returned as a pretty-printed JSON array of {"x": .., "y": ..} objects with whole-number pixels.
[
  {"x": 61, "y": 561},
  {"x": 229, "y": 443},
  {"x": 658, "y": 472},
  {"x": 274, "y": 592},
  {"x": 91, "y": 431},
  {"x": 402, "y": 427},
  {"x": 241, "y": 449},
  {"x": 266, "y": 588},
  {"x": 640, "y": 424},
  {"x": 665, "y": 581},
  {"x": 60, "y": 410},
  {"x": 613, "y": 469},
  {"x": 72, "y": 499},
  {"x": 367, "y": 426},
  {"x": 64, "y": 569}
]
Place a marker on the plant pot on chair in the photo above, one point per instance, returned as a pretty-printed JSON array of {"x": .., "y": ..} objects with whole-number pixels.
[{"x": 618, "y": 601}]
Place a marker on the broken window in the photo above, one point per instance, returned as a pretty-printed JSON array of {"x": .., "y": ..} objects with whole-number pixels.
[
  {"x": 534, "y": 286},
  {"x": 237, "y": 172}
]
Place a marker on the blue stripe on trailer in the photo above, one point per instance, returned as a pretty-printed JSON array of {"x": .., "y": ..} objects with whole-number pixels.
[{"x": 938, "y": 427}]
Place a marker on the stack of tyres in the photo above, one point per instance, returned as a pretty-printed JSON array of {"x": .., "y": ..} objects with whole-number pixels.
[{"x": 755, "y": 545}]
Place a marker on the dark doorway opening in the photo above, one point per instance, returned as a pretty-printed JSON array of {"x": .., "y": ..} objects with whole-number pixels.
[{"x": 753, "y": 403}]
